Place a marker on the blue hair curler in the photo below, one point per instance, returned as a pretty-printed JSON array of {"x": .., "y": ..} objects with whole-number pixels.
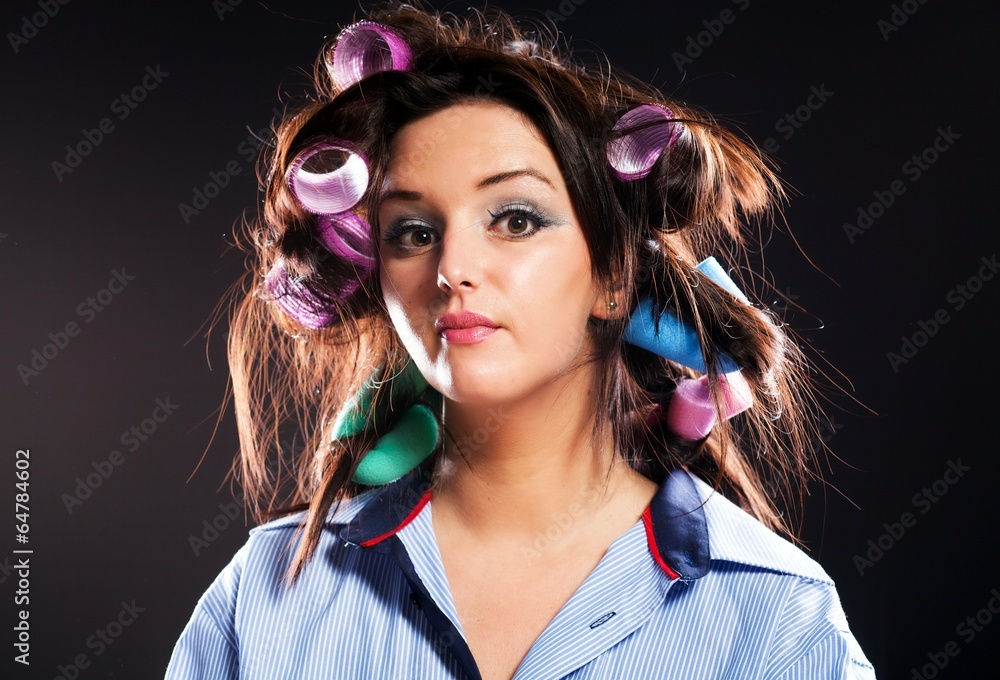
[
  {"x": 711, "y": 268},
  {"x": 672, "y": 337}
]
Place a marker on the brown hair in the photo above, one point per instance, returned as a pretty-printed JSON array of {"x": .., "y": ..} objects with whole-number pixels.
[{"x": 644, "y": 239}]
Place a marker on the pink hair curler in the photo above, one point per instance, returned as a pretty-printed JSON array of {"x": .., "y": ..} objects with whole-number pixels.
[
  {"x": 365, "y": 48},
  {"x": 633, "y": 155},
  {"x": 692, "y": 414},
  {"x": 330, "y": 192}
]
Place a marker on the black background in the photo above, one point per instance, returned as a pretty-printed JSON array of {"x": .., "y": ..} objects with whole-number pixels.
[{"x": 61, "y": 239}]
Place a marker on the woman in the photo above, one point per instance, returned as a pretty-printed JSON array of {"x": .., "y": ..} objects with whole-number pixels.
[{"x": 535, "y": 402}]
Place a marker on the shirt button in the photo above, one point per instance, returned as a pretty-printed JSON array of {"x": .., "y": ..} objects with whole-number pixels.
[{"x": 413, "y": 599}]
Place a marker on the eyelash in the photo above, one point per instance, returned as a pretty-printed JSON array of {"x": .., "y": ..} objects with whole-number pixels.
[{"x": 517, "y": 208}]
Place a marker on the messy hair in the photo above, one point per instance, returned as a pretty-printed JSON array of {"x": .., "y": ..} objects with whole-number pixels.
[{"x": 705, "y": 197}]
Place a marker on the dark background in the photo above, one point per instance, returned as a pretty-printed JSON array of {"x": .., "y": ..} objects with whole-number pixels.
[{"x": 62, "y": 238}]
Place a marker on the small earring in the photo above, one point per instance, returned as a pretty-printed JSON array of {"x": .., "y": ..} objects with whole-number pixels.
[{"x": 612, "y": 305}]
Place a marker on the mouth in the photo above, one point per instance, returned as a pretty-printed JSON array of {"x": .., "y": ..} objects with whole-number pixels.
[
  {"x": 463, "y": 320},
  {"x": 465, "y": 327}
]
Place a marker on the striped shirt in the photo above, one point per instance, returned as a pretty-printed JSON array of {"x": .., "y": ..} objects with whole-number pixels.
[{"x": 696, "y": 588}]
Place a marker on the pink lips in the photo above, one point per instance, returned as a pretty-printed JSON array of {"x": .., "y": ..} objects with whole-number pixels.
[{"x": 465, "y": 327}]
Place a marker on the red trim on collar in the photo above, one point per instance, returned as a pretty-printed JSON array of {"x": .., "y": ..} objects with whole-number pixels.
[
  {"x": 409, "y": 518},
  {"x": 647, "y": 520}
]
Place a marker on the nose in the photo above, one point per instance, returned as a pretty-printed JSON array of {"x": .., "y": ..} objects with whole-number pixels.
[{"x": 462, "y": 257}]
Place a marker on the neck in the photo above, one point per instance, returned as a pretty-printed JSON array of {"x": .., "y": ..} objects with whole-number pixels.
[{"x": 529, "y": 473}]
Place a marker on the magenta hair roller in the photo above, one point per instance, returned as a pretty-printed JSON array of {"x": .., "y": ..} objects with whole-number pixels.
[
  {"x": 365, "y": 48},
  {"x": 737, "y": 396},
  {"x": 297, "y": 301},
  {"x": 692, "y": 414},
  {"x": 347, "y": 235},
  {"x": 633, "y": 155},
  {"x": 335, "y": 191}
]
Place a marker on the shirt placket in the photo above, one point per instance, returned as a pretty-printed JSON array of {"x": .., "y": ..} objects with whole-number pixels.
[
  {"x": 620, "y": 594},
  {"x": 422, "y": 548}
]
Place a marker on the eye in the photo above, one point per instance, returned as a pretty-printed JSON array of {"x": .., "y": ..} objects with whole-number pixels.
[
  {"x": 518, "y": 223},
  {"x": 521, "y": 221},
  {"x": 520, "y": 216},
  {"x": 411, "y": 237}
]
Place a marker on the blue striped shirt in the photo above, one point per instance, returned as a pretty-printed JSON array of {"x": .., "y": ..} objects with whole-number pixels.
[{"x": 696, "y": 588}]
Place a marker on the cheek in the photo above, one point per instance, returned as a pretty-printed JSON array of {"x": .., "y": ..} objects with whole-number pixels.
[
  {"x": 407, "y": 297},
  {"x": 561, "y": 275},
  {"x": 550, "y": 295},
  {"x": 398, "y": 279},
  {"x": 393, "y": 295}
]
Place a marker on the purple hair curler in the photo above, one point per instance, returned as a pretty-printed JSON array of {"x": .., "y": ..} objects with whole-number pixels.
[
  {"x": 365, "y": 48},
  {"x": 692, "y": 414},
  {"x": 298, "y": 302},
  {"x": 347, "y": 235},
  {"x": 331, "y": 192},
  {"x": 633, "y": 155}
]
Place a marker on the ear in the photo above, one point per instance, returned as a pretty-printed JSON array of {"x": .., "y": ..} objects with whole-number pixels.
[{"x": 609, "y": 304}]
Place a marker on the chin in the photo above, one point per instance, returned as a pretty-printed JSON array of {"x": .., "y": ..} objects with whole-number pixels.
[{"x": 481, "y": 393}]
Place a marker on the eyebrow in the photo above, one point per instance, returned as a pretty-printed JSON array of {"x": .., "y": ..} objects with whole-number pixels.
[{"x": 405, "y": 195}]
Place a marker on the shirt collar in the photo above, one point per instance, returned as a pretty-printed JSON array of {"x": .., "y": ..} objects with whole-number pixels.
[
  {"x": 737, "y": 537},
  {"x": 676, "y": 526}
]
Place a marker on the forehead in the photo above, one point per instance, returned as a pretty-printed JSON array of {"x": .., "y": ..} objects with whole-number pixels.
[{"x": 467, "y": 140}]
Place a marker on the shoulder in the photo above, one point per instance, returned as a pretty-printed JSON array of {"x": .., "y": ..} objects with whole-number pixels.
[
  {"x": 249, "y": 599},
  {"x": 769, "y": 579},
  {"x": 341, "y": 513},
  {"x": 262, "y": 560},
  {"x": 735, "y": 536}
]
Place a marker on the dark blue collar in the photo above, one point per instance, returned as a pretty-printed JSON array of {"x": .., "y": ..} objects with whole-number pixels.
[{"x": 676, "y": 528}]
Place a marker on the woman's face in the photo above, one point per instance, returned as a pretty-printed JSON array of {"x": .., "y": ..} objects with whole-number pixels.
[{"x": 475, "y": 216}]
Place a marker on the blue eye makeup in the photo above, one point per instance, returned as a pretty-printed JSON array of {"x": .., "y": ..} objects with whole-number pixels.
[
  {"x": 515, "y": 213},
  {"x": 522, "y": 210}
]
